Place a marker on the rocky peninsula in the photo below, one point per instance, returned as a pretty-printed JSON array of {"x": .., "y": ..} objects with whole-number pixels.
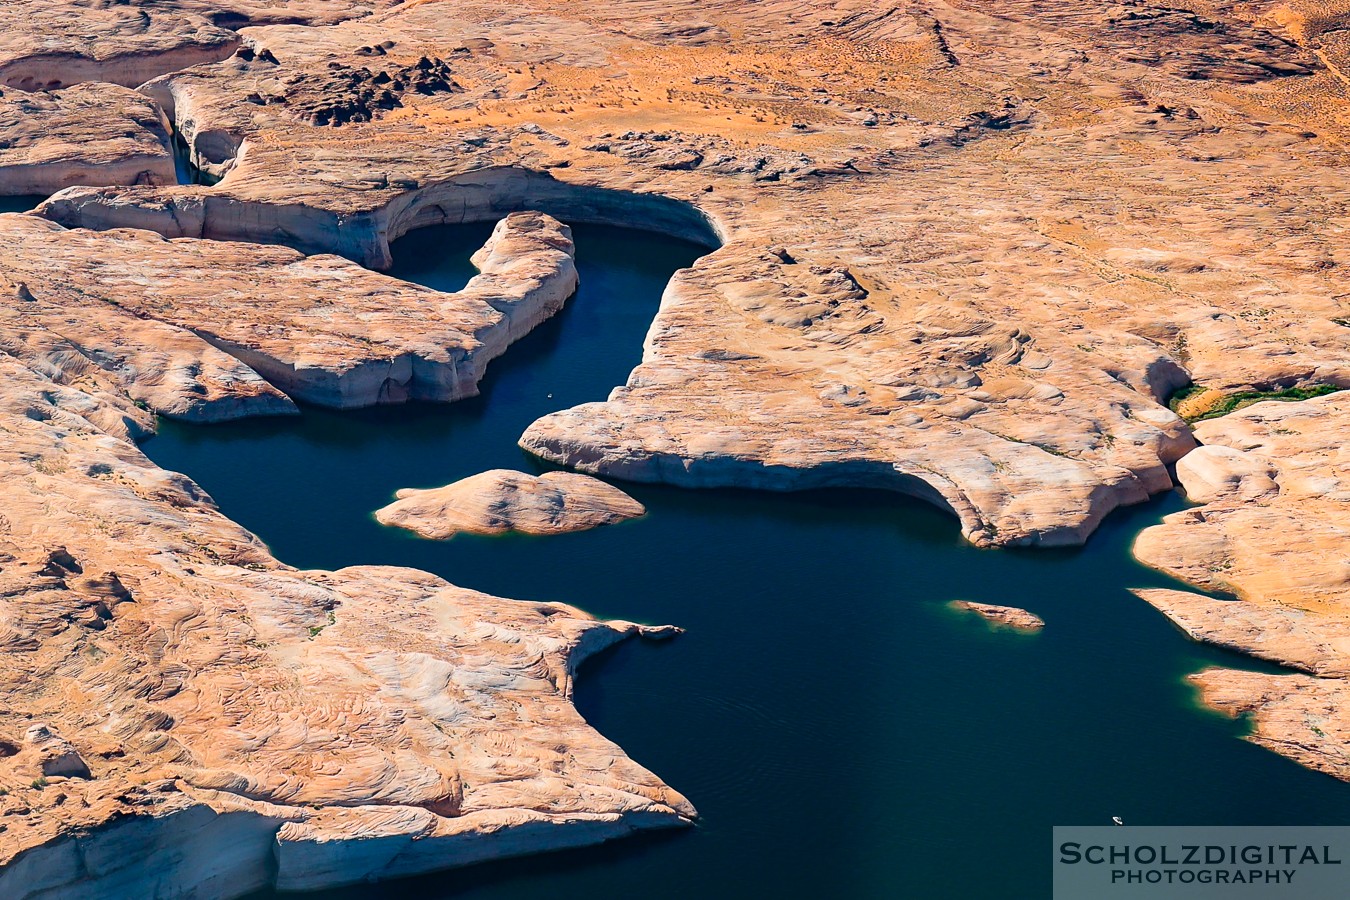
[
  {"x": 958, "y": 253},
  {"x": 1274, "y": 480}
]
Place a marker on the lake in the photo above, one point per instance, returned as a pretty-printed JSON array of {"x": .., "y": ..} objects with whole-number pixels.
[{"x": 842, "y": 732}]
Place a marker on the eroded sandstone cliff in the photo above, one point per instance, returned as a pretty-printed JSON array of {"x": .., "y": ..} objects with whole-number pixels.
[
  {"x": 1269, "y": 545},
  {"x": 961, "y": 250},
  {"x": 184, "y": 714},
  {"x": 915, "y": 269}
]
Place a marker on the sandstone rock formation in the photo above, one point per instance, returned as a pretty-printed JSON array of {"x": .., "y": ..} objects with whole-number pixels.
[
  {"x": 192, "y": 328},
  {"x": 54, "y": 754},
  {"x": 961, "y": 251},
  {"x": 90, "y": 134},
  {"x": 905, "y": 272},
  {"x": 501, "y": 500},
  {"x": 1270, "y": 539},
  {"x": 47, "y": 45},
  {"x": 185, "y": 715},
  {"x": 1007, "y": 616},
  {"x": 51, "y": 44}
]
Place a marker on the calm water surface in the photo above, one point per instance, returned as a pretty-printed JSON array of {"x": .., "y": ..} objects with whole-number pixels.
[
  {"x": 841, "y": 731},
  {"x": 20, "y": 202}
]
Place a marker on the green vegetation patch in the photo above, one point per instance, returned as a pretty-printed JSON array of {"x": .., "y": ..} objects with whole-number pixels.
[
  {"x": 1190, "y": 390},
  {"x": 1233, "y": 402}
]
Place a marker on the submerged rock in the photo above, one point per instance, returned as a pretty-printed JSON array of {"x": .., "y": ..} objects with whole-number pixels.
[
  {"x": 1009, "y": 616},
  {"x": 502, "y": 500}
]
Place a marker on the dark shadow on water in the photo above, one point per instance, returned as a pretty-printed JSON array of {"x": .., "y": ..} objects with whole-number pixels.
[
  {"x": 842, "y": 731},
  {"x": 20, "y": 202},
  {"x": 418, "y": 256}
]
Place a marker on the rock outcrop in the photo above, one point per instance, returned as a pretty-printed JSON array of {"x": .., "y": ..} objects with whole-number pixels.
[
  {"x": 905, "y": 273},
  {"x": 501, "y": 500},
  {"x": 1268, "y": 544},
  {"x": 54, "y": 754},
  {"x": 385, "y": 705},
  {"x": 1004, "y": 616},
  {"x": 51, "y": 44},
  {"x": 90, "y": 134},
  {"x": 209, "y": 331},
  {"x": 961, "y": 252},
  {"x": 185, "y": 715}
]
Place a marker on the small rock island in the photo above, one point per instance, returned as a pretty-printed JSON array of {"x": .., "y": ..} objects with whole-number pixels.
[
  {"x": 500, "y": 501},
  {"x": 1005, "y": 616}
]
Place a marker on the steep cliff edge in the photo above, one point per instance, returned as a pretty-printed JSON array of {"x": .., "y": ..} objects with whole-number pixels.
[{"x": 1271, "y": 538}]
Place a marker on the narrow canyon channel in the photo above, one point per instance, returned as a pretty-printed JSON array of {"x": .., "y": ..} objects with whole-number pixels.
[{"x": 841, "y": 730}]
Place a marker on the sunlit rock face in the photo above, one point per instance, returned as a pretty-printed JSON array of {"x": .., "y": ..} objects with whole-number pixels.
[
  {"x": 923, "y": 269},
  {"x": 173, "y": 688},
  {"x": 207, "y": 330},
  {"x": 503, "y": 501},
  {"x": 1275, "y": 482},
  {"x": 1001, "y": 616},
  {"x": 956, "y": 252},
  {"x": 90, "y": 134},
  {"x": 181, "y": 708}
]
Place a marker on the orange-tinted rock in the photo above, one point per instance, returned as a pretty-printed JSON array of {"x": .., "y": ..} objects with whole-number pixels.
[{"x": 500, "y": 500}]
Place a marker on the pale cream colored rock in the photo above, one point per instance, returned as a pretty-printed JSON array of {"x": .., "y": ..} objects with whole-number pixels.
[
  {"x": 502, "y": 500},
  {"x": 51, "y": 44},
  {"x": 90, "y": 134},
  {"x": 192, "y": 328},
  {"x": 233, "y": 711},
  {"x": 1277, "y": 548},
  {"x": 1290, "y": 637},
  {"x": 966, "y": 253},
  {"x": 1006, "y": 616},
  {"x": 55, "y": 755},
  {"x": 912, "y": 280},
  {"x": 1216, "y": 472},
  {"x": 1297, "y": 716}
]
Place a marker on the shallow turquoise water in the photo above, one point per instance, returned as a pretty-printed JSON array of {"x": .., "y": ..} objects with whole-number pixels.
[{"x": 841, "y": 731}]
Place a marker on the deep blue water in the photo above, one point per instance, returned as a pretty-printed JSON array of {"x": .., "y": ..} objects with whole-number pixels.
[
  {"x": 20, "y": 202},
  {"x": 842, "y": 732}
]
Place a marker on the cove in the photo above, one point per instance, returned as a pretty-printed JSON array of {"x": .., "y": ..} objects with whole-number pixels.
[
  {"x": 20, "y": 202},
  {"x": 841, "y": 731}
]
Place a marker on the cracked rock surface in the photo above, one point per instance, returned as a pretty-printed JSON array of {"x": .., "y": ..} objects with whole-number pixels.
[
  {"x": 960, "y": 251},
  {"x": 1269, "y": 545}
]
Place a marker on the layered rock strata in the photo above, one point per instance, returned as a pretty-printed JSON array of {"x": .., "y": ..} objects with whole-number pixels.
[
  {"x": 1268, "y": 545},
  {"x": 501, "y": 500},
  {"x": 906, "y": 273},
  {"x": 91, "y": 134},
  {"x": 209, "y": 331},
  {"x": 51, "y": 44},
  {"x": 186, "y": 716},
  {"x": 961, "y": 251}
]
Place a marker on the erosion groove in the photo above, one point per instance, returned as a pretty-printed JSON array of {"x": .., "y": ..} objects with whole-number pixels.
[{"x": 961, "y": 252}]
